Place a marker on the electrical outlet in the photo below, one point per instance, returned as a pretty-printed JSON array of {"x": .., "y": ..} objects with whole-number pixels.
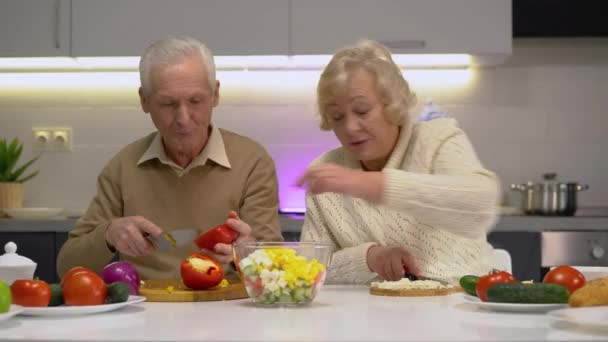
[{"x": 52, "y": 138}]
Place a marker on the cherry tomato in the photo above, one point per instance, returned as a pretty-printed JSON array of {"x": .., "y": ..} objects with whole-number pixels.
[
  {"x": 486, "y": 281},
  {"x": 566, "y": 276},
  {"x": 200, "y": 272},
  {"x": 28, "y": 292},
  {"x": 84, "y": 288}
]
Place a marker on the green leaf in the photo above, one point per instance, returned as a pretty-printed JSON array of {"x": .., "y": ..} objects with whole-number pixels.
[
  {"x": 15, "y": 176},
  {"x": 10, "y": 153},
  {"x": 28, "y": 177}
]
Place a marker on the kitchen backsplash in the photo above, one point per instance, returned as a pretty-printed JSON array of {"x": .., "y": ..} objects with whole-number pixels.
[{"x": 543, "y": 111}]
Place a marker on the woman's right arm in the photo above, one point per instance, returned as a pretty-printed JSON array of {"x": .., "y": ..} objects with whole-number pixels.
[{"x": 347, "y": 265}]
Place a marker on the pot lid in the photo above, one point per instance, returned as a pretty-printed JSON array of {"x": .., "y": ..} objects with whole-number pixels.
[{"x": 11, "y": 258}]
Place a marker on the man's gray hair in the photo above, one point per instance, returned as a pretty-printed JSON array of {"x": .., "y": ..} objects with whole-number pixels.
[{"x": 171, "y": 50}]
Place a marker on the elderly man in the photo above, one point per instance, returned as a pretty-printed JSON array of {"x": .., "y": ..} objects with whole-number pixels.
[{"x": 188, "y": 174}]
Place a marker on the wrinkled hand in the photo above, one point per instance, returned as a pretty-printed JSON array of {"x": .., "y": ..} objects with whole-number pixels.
[
  {"x": 127, "y": 235},
  {"x": 222, "y": 251},
  {"x": 335, "y": 178},
  {"x": 391, "y": 263}
]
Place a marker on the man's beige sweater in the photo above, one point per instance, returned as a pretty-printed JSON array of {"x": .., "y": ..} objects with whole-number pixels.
[
  {"x": 200, "y": 199},
  {"x": 438, "y": 203}
]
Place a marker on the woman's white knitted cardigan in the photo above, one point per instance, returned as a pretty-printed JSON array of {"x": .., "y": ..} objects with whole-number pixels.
[{"x": 439, "y": 202}]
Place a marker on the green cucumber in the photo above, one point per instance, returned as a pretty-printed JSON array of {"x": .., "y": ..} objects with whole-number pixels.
[
  {"x": 118, "y": 292},
  {"x": 535, "y": 293},
  {"x": 468, "y": 283},
  {"x": 56, "y": 295}
]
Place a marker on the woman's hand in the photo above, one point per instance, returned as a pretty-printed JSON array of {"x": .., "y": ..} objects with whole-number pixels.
[
  {"x": 127, "y": 235},
  {"x": 335, "y": 178},
  {"x": 222, "y": 252},
  {"x": 391, "y": 263}
]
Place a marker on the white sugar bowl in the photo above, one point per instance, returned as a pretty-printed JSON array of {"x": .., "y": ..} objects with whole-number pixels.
[{"x": 14, "y": 266}]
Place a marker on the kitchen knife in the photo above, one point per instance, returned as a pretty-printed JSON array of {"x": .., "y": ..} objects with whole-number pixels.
[
  {"x": 413, "y": 277},
  {"x": 173, "y": 239}
]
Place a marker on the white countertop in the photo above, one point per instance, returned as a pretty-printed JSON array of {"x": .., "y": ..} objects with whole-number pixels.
[{"x": 339, "y": 313}]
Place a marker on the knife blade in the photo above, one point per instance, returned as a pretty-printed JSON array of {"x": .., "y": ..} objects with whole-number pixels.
[
  {"x": 173, "y": 239},
  {"x": 413, "y": 277}
]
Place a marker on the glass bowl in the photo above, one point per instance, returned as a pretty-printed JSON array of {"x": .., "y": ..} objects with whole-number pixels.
[{"x": 282, "y": 273}]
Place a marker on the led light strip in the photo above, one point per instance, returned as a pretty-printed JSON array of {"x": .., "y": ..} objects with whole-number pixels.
[{"x": 236, "y": 63}]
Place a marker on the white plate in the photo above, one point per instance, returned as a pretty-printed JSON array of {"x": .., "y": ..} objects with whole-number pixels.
[
  {"x": 512, "y": 307},
  {"x": 64, "y": 310},
  {"x": 596, "y": 315},
  {"x": 32, "y": 213},
  {"x": 12, "y": 311}
]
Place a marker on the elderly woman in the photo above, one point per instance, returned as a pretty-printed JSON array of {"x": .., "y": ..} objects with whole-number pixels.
[{"x": 397, "y": 196}]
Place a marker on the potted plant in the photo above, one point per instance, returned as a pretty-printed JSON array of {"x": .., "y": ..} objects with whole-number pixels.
[{"x": 12, "y": 176}]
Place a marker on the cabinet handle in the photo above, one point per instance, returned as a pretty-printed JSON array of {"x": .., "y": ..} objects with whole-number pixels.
[
  {"x": 57, "y": 22},
  {"x": 404, "y": 44}
]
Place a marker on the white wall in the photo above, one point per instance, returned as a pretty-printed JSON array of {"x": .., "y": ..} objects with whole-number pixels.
[{"x": 543, "y": 111}]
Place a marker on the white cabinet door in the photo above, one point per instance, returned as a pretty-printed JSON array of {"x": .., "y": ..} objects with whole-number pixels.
[
  {"x": 34, "y": 28},
  {"x": 227, "y": 27},
  {"x": 406, "y": 26}
]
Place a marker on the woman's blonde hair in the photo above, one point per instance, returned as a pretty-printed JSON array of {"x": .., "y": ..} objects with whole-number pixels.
[{"x": 376, "y": 59}]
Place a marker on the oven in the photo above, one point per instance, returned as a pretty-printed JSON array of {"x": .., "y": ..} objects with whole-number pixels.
[{"x": 574, "y": 248}]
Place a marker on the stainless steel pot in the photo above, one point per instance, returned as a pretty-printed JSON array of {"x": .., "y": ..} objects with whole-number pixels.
[{"x": 549, "y": 197}]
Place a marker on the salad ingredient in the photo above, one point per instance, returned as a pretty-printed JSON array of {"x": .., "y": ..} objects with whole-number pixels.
[
  {"x": 486, "y": 281},
  {"x": 567, "y": 276},
  {"x": 28, "y": 292},
  {"x": 118, "y": 292},
  {"x": 534, "y": 293},
  {"x": 220, "y": 234},
  {"x": 124, "y": 272},
  {"x": 200, "y": 272},
  {"x": 73, "y": 271},
  {"x": 468, "y": 283},
  {"x": 56, "y": 295},
  {"x": 279, "y": 275},
  {"x": 84, "y": 288},
  {"x": 5, "y": 297}
]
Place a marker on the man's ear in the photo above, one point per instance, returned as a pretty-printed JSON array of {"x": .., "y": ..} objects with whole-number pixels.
[
  {"x": 143, "y": 100},
  {"x": 216, "y": 94}
]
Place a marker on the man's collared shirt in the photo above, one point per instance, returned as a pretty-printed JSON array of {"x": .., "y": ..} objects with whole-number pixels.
[{"x": 214, "y": 150}]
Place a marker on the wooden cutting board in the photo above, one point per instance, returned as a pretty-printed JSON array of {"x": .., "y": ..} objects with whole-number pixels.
[
  {"x": 414, "y": 292},
  {"x": 157, "y": 291}
]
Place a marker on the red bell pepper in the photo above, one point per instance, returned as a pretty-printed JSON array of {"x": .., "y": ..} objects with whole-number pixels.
[
  {"x": 220, "y": 234},
  {"x": 200, "y": 272}
]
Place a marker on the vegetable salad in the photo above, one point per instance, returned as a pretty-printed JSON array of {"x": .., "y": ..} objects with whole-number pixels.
[{"x": 280, "y": 276}]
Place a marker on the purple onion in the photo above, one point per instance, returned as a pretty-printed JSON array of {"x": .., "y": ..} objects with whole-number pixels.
[{"x": 124, "y": 272}]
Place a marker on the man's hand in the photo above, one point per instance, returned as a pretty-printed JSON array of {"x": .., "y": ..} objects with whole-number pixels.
[
  {"x": 127, "y": 235},
  {"x": 222, "y": 251},
  {"x": 391, "y": 263},
  {"x": 335, "y": 178}
]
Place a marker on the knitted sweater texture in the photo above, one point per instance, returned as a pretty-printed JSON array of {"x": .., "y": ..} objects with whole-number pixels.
[{"x": 438, "y": 203}]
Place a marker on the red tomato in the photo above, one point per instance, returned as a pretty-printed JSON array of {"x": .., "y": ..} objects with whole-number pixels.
[
  {"x": 566, "y": 276},
  {"x": 200, "y": 272},
  {"x": 255, "y": 286},
  {"x": 84, "y": 288},
  {"x": 31, "y": 292},
  {"x": 73, "y": 271},
  {"x": 220, "y": 234},
  {"x": 486, "y": 281}
]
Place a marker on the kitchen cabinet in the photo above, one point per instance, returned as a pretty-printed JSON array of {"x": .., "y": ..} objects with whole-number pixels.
[
  {"x": 228, "y": 27},
  {"x": 41, "y": 247},
  {"x": 406, "y": 26},
  {"x": 33, "y": 28}
]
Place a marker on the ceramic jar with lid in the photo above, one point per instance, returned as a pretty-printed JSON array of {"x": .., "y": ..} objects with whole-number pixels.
[{"x": 14, "y": 266}]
